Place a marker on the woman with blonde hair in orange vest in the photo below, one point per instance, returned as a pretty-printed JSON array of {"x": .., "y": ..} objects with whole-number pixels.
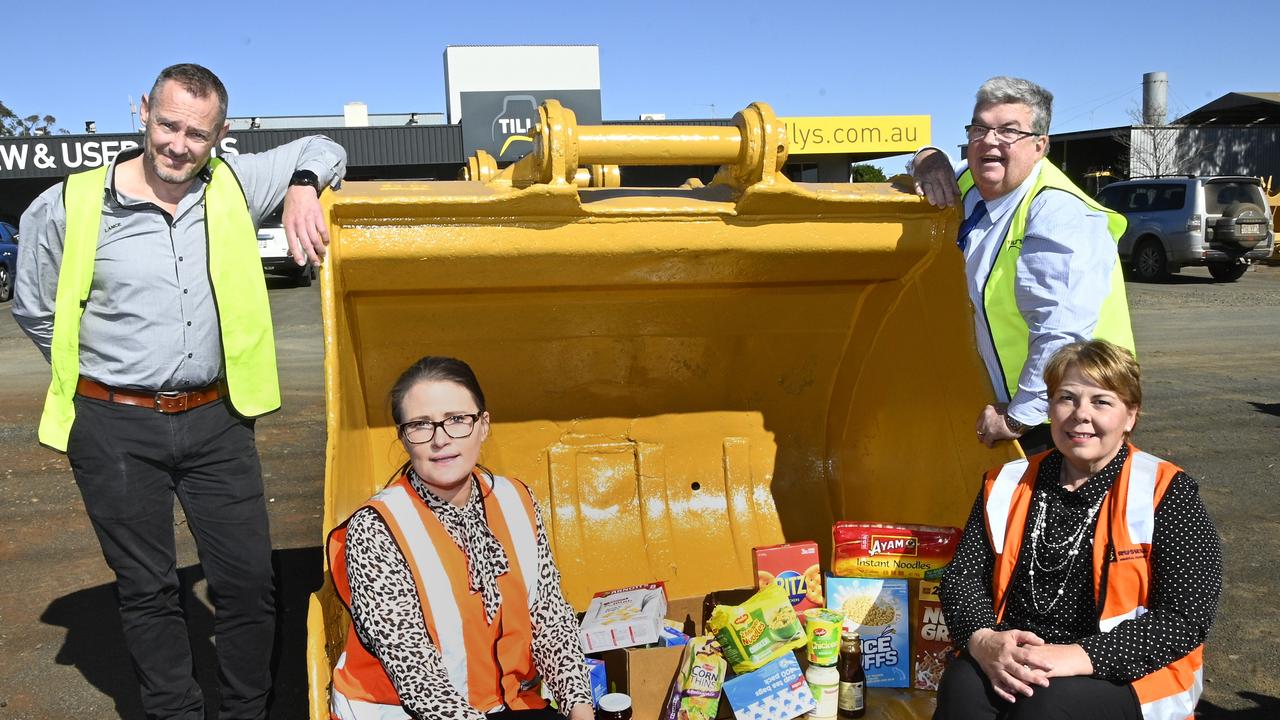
[
  {"x": 454, "y": 597},
  {"x": 1087, "y": 576}
]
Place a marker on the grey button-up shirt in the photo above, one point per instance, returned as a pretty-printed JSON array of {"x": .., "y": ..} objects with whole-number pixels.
[{"x": 150, "y": 322}]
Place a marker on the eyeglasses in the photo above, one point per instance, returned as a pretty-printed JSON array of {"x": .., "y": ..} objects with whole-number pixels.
[
  {"x": 1006, "y": 135},
  {"x": 417, "y": 432}
]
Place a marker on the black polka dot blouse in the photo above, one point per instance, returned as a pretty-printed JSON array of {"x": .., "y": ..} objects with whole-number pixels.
[{"x": 1057, "y": 601}]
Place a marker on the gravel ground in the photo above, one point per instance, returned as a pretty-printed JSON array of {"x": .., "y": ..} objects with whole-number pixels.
[{"x": 1211, "y": 364}]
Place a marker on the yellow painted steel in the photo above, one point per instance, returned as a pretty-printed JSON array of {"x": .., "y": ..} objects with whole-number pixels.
[{"x": 680, "y": 374}]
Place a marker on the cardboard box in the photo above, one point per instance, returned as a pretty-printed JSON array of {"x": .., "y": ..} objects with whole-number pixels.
[
  {"x": 880, "y": 609},
  {"x": 646, "y": 674},
  {"x": 930, "y": 638},
  {"x": 776, "y": 691},
  {"x": 793, "y": 567}
]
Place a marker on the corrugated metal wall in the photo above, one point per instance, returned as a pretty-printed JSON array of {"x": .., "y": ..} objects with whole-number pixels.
[{"x": 1227, "y": 150}]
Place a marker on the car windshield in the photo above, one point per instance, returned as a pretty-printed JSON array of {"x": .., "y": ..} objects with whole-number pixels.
[{"x": 1220, "y": 195}]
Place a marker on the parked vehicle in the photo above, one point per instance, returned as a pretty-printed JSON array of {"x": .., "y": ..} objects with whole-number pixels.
[
  {"x": 273, "y": 246},
  {"x": 1220, "y": 222},
  {"x": 8, "y": 259}
]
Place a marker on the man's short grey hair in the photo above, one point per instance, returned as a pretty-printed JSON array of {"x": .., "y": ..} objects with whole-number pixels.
[
  {"x": 197, "y": 80},
  {"x": 1003, "y": 90}
]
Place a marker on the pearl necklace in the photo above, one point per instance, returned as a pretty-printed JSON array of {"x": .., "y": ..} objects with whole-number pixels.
[{"x": 1068, "y": 560}]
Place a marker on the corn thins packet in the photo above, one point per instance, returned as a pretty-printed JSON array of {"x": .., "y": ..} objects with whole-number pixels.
[
  {"x": 757, "y": 631},
  {"x": 696, "y": 692}
]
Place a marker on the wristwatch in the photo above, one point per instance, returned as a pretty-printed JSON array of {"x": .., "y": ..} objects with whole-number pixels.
[
  {"x": 1015, "y": 427},
  {"x": 308, "y": 178}
]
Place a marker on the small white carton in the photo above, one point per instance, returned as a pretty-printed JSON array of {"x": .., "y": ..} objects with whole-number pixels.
[{"x": 625, "y": 617}]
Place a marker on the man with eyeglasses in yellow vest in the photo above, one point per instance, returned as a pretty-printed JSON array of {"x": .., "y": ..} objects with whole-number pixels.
[
  {"x": 141, "y": 283},
  {"x": 1040, "y": 256}
]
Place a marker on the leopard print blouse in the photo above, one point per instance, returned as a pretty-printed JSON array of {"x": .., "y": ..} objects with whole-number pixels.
[{"x": 388, "y": 617}]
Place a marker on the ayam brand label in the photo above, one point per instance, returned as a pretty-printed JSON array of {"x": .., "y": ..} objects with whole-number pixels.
[{"x": 893, "y": 545}]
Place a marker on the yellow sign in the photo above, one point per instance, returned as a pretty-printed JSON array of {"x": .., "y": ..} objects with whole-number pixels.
[{"x": 857, "y": 133}]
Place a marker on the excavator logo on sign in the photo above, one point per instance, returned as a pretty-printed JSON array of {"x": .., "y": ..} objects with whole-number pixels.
[{"x": 515, "y": 123}]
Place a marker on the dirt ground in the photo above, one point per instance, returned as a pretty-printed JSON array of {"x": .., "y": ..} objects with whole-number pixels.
[{"x": 1211, "y": 364}]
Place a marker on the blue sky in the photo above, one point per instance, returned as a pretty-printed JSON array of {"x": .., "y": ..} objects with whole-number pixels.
[{"x": 83, "y": 60}]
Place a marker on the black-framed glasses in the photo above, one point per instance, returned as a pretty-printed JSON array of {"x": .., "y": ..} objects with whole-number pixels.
[
  {"x": 1006, "y": 135},
  {"x": 417, "y": 432}
]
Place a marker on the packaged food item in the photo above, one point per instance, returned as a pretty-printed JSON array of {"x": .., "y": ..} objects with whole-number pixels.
[
  {"x": 776, "y": 691},
  {"x": 879, "y": 550},
  {"x": 625, "y": 617},
  {"x": 932, "y": 640},
  {"x": 822, "y": 632},
  {"x": 757, "y": 631},
  {"x": 671, "y": 637},
  {"x": 599, "y": 683},
  {"x": 878, "y": 610},
  {"x": 696, "y": 692},
  {"x": 824, "y": 683},
  {"x": 614, "y": 706},
  {"x": 852, "y": 702},
  {"x": 794, "y": 567}
]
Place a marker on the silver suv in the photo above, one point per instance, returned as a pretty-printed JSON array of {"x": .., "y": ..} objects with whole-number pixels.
[{"x": 1217, "y": 221}]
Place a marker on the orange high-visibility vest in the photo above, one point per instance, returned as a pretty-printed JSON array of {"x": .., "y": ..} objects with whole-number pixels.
[
  {"x": 489, "y": 664},
  {"x": 1122, "y": 576}
]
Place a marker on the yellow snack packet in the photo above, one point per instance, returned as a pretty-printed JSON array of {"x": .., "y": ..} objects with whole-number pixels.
[{"x": 757, "y": 631}]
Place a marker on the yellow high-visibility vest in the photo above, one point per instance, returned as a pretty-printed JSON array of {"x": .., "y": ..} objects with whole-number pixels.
[
  {"x": 1009, "y": 333},
  {"x": 239, "y": 291}
]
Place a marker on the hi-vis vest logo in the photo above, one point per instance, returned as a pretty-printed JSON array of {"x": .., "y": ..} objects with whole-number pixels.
[
  {"x": 894, "y": 545},
  {"x": 515, "y": 123}
]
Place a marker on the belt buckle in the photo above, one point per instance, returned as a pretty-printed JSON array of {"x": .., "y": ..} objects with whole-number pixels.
[{"x": 177, "y": 395}]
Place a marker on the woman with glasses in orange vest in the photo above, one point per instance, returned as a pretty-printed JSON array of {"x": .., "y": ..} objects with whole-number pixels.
[
  {"x": 1087, "y": 576},
  {"x": 454, "y": 597}
]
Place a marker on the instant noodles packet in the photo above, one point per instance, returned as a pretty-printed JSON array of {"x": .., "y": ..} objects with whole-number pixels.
[
  {"x": 757, "y": 631},
  {"x": 881, "y": 550}
]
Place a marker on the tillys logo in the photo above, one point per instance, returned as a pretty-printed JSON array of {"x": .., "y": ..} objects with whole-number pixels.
[
  {"x": 515, "y": 123},
  {"x": 893, "y": 545}
]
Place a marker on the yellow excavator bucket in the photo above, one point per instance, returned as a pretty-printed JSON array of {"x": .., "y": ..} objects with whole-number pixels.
[{"x": 680, "y": 374}]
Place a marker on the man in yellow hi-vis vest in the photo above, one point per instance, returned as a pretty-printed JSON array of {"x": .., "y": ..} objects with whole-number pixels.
[
  {"x": 1040, "y": 255},
  {"x": 141, "y": 283}
]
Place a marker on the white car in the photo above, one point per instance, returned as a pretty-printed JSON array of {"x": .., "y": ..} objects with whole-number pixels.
[{"x": 273, "y": 246}]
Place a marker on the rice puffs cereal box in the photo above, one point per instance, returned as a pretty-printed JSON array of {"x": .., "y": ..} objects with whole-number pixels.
[
  {"x": 931, "y": 641},
  {"x": 624, "y": 618},
  {"x": 794, "y": 567},
  {"x": 776, "y": 691},
  {"x": 696, "y": 692},
  {"x": 878, "y": 609},
  {"x": 880, "y": 550}
]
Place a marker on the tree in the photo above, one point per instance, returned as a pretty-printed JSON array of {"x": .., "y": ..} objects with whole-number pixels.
[
  {"x": 863, "y": 172},
  {"x": 11, "y": 125},
  {"x": 1159, "y": 150}
]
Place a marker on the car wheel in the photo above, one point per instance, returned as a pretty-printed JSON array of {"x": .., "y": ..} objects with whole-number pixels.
[
  {"x": 1227, "y": 272},
  {"x": 6, "y": 284},
  {"x": 305, "y": 276},
  {"x": 1149, "y": 261}
]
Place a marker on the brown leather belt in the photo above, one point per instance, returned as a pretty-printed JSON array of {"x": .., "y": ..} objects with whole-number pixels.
[{"x": 162, "y": 402}]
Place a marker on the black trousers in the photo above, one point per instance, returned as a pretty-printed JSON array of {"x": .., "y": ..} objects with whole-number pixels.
[
  {"x": 965, "y": 693},
  {"x": 130, "y": 463}
]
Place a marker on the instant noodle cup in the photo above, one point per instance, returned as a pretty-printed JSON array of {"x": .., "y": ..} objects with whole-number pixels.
[
  {"x": 822, "y": 630},
  {"x": 757, "y": 631}
]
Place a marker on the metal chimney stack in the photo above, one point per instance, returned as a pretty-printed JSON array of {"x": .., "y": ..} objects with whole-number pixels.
[{"x": 1155, "y": 98}]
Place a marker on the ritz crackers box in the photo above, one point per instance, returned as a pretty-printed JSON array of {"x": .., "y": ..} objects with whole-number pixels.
[{"x": 794, "y": 567}]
